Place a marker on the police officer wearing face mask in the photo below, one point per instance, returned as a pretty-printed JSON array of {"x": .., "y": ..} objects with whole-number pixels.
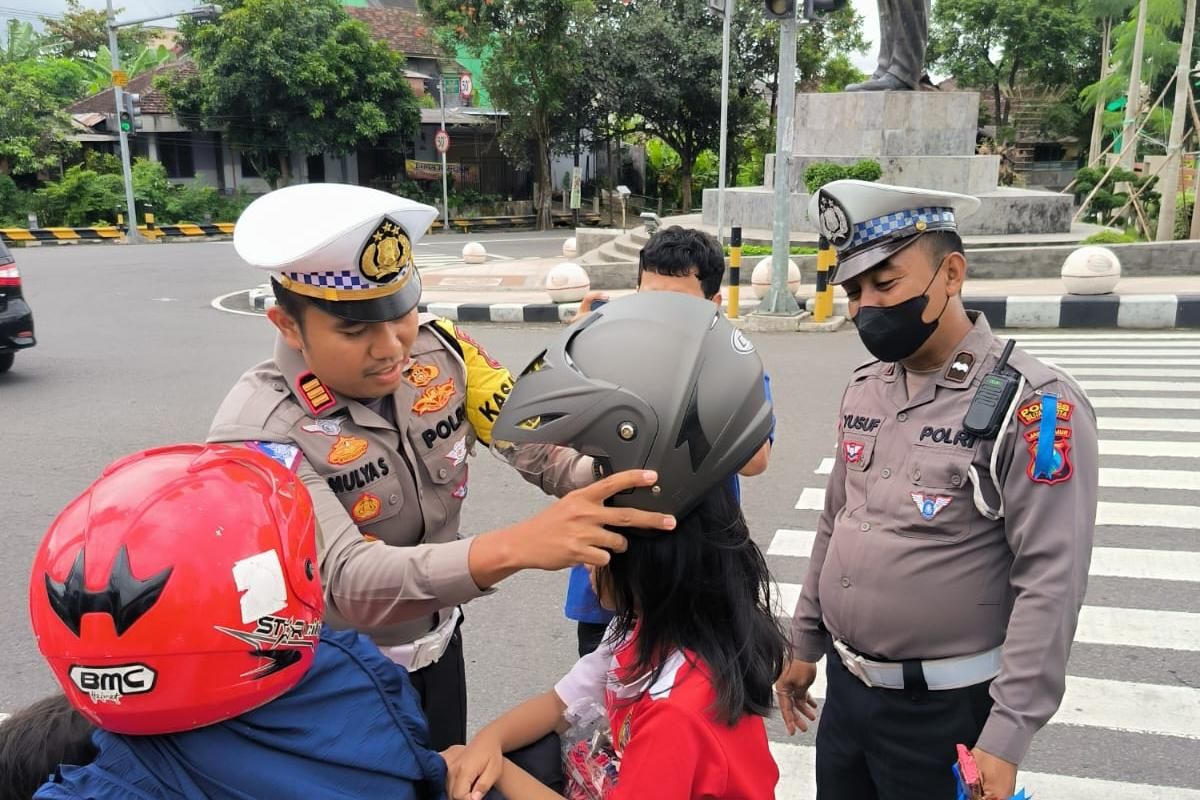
[{"x": 952, "y": 555}]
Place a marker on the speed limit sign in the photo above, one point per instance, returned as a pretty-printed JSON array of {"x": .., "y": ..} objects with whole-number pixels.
[
  {"x": 442, "y": 142},
  {"x": 465, "y": 86}
]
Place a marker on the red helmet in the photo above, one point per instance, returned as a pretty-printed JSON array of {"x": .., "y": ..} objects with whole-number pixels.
[{"x": 180, "y": 589}]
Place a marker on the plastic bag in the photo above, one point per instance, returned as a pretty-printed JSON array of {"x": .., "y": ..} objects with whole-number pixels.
[{"x": 590, "y": 761}]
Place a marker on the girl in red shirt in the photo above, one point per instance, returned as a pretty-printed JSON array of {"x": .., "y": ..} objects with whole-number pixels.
[{"x": 686, "y": 668}]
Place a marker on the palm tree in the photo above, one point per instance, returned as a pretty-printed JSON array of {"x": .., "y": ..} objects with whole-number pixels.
[
  {"x": 22, "y": 43},
  {"x": 99, "y": 69}
]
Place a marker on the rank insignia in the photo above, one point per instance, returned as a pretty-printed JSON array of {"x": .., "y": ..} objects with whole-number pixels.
[
  {"x": 329, "y": 427},
  {"x": 421, "y": 375},
  {"x": 386, "y": 256},
  {"x": 853, "y": 451},
  {"x": 315, "y": 394},
  {"x": 1059, "y": 466},
  {"x": 929, "y": 505},
  {"x": 434, "y": 398},
  {"x": 960, "y": 367},
  {"x": 366, "y": 507},
  {"x": 458, "y": 453},
  {"x": 1032, "y": 411},
  {"x": 347, "y": 449}
]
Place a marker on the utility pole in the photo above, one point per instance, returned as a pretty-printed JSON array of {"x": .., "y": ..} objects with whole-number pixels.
[
  {"x": 779, "y": 301},
  {"x": 1169, "y": 184},
  {"x": 131, "y": 229},
  {"x": 1133, "y": 101},
  {"x": 728, "y": 18},
  {"x": 445, "y": 191}
]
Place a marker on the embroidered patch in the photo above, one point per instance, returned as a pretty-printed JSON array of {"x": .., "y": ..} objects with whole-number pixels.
[
  {"x": 458, "y": 453},
  {"x": 929, "y": 505},
  {"x": 286, "y": 454},
  {"x": 315, "y": 394},
  {"x": 832, "y": 220},
  {"x": 1032, "y": 411},
  {"x": 370, "y": 537},
  {"x": 421, "y": 375},
  {"x": 1059, "y": 433},
  {"x": 853, "y": 451},
  {"x": 346, "y": 450},
  {"x": 960, "y": 367},
  {"x": 623, "y": 736},
  {"x": 460, "y": 492},
  {"x": 329, "y": 426},
  {"x": 434, "y": 398},
  {"x": 366, "y": 507},
  {"x": 1060, "y": 466}
]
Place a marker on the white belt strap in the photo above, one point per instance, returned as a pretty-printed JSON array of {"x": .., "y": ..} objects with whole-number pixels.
[
  {"x": 941, "y": 674},
  {"x": 427, "y": 650}
]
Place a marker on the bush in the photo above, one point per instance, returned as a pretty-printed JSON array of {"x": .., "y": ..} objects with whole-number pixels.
[
  {"x": 194, "y": 202},
  {"x": 152, "y": 187},
  {"x": 765, "y": 250},
  {"x": 79, "y": 199},
  {"x": 1110, "y": 237},
  {"x": 14, "y": 204},
  {"x": 866, "y": 170},
  {"x": 821, "y": 173}
]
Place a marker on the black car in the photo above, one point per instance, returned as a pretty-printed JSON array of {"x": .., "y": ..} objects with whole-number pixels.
[{"x": 16, "y": 318}]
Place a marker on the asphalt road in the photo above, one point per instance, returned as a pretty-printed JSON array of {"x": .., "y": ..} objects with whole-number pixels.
[{"x": 131, "y": 354}]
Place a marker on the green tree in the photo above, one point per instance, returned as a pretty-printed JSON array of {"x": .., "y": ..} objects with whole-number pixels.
[
  {"x": 33, "y": 127},
  {"x": 80, "y": 32},
  {"x": 21, "y": 43},
  {"x": 533, "y": 51},
  {"x": 999, "y": 45},
  {"x": 283, "y": 76}
]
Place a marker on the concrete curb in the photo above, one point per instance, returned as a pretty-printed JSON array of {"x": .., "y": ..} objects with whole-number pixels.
[{"x": 1144, "y": 311}]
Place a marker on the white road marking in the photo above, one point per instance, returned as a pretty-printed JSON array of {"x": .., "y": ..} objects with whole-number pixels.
[
  {"x": 1149, "y": 424},
  {"x": 825, "y": 467},
  {"x": 1154, "y": 565},
  {"x": 797, "y": 544},
  {"x": 1131, "y": 447},
  {"x": 1186, "y": 480},
  {"x": 1147, "y": 403}
]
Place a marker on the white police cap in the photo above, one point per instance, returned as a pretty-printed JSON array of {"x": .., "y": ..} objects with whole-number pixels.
[
  {"x": 347, "y": 248},
  {"x": 867, "y": 222}
]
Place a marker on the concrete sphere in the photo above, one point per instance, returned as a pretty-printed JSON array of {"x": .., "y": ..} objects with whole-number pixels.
[
  {"x": 570, "y": 248},
  {"x": 760, "y": 279},
  {"x": 567, "y": 283},
  {"x": 474, "y": 253},
  {"x": 1091, "y": 270}
]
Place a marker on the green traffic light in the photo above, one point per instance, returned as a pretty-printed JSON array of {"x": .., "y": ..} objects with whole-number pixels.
[{"x": 126, "y": 122}]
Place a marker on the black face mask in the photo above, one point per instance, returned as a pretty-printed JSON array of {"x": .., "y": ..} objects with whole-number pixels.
[{"x": 893, "y": 333}]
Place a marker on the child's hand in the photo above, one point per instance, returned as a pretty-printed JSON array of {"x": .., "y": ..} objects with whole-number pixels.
[{"x": 474, "y": 769}]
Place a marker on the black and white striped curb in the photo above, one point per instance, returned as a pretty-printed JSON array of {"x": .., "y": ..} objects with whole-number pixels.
[{"x": 1018, "y": 311}]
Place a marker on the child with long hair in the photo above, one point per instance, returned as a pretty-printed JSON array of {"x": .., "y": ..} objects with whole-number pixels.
[{"x": 686, "y": 668}]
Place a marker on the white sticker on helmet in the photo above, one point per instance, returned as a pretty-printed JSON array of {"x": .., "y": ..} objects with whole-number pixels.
[
  {"x": 740, "y": 343},
  {"x": 261, "y": 578}
]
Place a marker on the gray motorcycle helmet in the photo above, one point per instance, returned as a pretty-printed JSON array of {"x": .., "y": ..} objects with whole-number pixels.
[{"x": 655, "y": 380}]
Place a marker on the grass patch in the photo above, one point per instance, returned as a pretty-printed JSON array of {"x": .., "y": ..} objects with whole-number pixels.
[{"x": 765, "y": 250}]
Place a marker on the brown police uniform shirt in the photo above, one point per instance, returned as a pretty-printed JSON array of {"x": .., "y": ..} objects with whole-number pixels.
[
  {"x": 388, "y": 492},
  {"x": 905, "y": 566}
]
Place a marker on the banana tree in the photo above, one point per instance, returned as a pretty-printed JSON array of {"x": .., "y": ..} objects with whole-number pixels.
[{"x": 99, "y": 69}]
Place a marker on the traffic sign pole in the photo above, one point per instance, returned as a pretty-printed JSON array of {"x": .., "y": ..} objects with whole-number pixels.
[
  {"x": 445, "y": 190},
  {"x": 131, "y": 232}
]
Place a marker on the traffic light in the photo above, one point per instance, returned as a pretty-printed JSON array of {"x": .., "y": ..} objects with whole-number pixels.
[
  {"x": 780, "y": 9},
  {"x": 814, "y": 7},
  {"x": 131, "y": 113}
]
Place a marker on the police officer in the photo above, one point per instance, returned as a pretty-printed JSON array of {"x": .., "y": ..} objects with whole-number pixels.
[
  {"x": 378, "y": 407},
  {"x": 951, "y": 559}
]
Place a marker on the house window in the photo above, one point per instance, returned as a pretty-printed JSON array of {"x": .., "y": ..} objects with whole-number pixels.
[
  {"x": 175, "y": 154},
  {"x": 248, "y": 170}
]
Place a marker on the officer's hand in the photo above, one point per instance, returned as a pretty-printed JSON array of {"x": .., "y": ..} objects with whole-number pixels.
[
  {"x": 796, "y": 705},
  {"x": 999, "y": 776},
  {"x": 585, "y": 305},
  {"x": 572, "y": 531},
  {"x": 472, "y": 770}
]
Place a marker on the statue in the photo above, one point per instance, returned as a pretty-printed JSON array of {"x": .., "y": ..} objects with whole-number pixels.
[{"x": 903, "y": 34}]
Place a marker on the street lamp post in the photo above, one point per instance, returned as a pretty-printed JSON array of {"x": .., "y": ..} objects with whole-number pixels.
[
  {"x": 779, "y": 299},
  {"x": 206, "y": 11}
]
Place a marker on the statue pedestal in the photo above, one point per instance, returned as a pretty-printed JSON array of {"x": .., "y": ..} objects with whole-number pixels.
[{"x": 924, "y": 139}]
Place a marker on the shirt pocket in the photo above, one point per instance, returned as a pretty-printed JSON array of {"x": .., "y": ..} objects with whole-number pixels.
[
  {"x": 856, "y": 450},
  {"x": 936, "y": 502},
  {"x": 446, "y": 463},
  {"x": 372, "y": 491}
]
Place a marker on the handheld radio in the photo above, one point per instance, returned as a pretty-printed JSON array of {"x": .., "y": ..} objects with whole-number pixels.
[{"x": 992, "y": 398}]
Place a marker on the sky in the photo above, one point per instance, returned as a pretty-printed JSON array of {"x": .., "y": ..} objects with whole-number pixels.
[{"x": 136, "y": 9}]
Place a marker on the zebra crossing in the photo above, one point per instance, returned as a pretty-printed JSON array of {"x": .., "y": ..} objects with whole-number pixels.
[
  {"x": 1129, "y": 723},
  {"x": 428, "y": 260}
]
